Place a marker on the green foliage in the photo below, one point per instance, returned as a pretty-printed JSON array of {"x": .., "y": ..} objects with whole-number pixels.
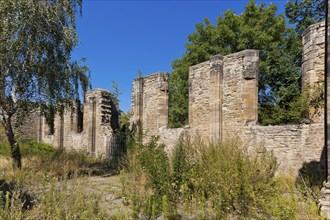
[
  {"x": 139, "y": 73},
  {"x": 152, "y": 160},
  {"x": 31, "y": 148},
  {"x": 303, "y": 13},
  {"x": 155, "y": 162},
  {"x": 124, "y": 122},
  {"x": 34, "y": 148},
  {"x": 116, "y": 91},
  {"x": 211, "y": 181},
  {"x": 295, "y": 111},
  {"x": 37, "y": 38},
  {"x": 225, "y": 175},
  {"x": 258, "y": 27}
]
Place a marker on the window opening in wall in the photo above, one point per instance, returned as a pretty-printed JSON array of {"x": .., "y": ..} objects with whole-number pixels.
[
  {"x": 80, "y": 120},
  {"x": 50, "y": 117}
]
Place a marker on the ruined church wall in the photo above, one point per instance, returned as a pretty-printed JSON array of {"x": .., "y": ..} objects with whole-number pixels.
[
  {"x": 91, "y": 131},
  {"x": 292, "y": 145},
  {"x": 199, "y": 99},
  {"x": 313, "y": 66},
  {"x": 99, "y": 112},
  {"x": 223, "y": 103},
  {"x": 171, "y": 136},
  {"x": 313, "y": 56},
  {"x": 150, "y": 103},
  {"x": 65, "y": 128},
  {"x": 30, "y": 128},
  {"x": 240, "y": 91},
  {"x": 223, "y": 95}
]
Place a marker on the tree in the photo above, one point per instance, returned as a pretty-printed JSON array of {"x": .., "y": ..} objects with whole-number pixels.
[
  {"x": 304, "y": 13},
  {"x": 258, "y": 27},
  {"x": 36, "y": 70}
]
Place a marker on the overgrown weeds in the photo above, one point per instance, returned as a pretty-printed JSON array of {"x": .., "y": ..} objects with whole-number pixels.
[
  {"x": 211, "y": 181},
  {"x": 44, "y": 159},
  {"x": 45, "y": 177},
  {"x": 54, "y": 201}
]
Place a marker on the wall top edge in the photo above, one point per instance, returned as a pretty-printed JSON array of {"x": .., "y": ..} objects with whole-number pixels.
[
  {"x": 313, "y": 27},
  {"x": 153, "y": 75},
  {"x": 247, "y": 52},
  {"x": 97, "y": 90}
]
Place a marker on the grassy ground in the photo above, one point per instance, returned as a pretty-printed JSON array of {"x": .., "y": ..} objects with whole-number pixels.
[
  {"x": 81, "y": 197},
  {"x": 63, "y": 185}
]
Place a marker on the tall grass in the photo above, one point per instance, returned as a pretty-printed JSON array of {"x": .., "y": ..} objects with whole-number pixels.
[
  {"x": 45, "y": 174},
  {"x": 54, "y": 201},
  {"x": 211, "y": 181}
]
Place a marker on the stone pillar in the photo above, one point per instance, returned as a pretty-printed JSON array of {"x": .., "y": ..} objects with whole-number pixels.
[
  {"x": 216, "y": 93},
  {"x": 91, "y": 109},
  {"x": 99, "y": 117},
  {"x": 61, "y": 130},
  {"x": 137, "y": 103},
  {"x": 313, "y": 66},
  {"x": 313, "y": 56},
  {"x": 150, "y": 103},
  {"x": 41, "y": 128},
  {"x": 163, "y": 100},
  {"x": 250, "y": 86},
  {"x": 240, "y": 93}
]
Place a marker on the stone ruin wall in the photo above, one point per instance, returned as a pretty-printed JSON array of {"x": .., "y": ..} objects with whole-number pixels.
[
  {"x": 149, "y": 103},
  {"x": 313, "y": 64},
  {"x": 89, "y": 127},
  {"x": 223, "y": 103},
  {"x": 223, "y": 95},
  {"x": 313, "y": 56},
  {"x": 30, "y": 128}
]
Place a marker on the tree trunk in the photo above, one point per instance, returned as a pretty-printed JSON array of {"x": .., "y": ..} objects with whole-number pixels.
[{"x": 14, "y": 147}]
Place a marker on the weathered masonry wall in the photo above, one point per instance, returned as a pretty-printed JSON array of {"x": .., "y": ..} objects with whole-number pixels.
[
  {"x": 240, "y": 99},
  {"x": 313, "y": 65},
  {"x": 31, "y": 128},
  {"x": 150, "y": 103},
  {"x": 223, "y": 94},
  {"x": 313, "y": 56},
  {"x": 101, "y": 121},
  {"x": 91, "y": 130},
  {"x": 294, "y": 146},
  {"x": 223, "y": 103}
]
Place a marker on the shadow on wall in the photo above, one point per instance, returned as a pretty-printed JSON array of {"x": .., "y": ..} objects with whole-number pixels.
[{"x": 313, "y": 173}]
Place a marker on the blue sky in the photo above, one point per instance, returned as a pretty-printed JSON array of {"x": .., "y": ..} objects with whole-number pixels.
[{"x": 119, "y": 38}]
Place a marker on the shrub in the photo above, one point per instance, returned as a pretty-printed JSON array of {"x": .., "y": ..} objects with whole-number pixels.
[
  {"x": 216, "y": 180},
  {"x": 225, "y": 176},
  {"x": 149, "y": 168}
]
